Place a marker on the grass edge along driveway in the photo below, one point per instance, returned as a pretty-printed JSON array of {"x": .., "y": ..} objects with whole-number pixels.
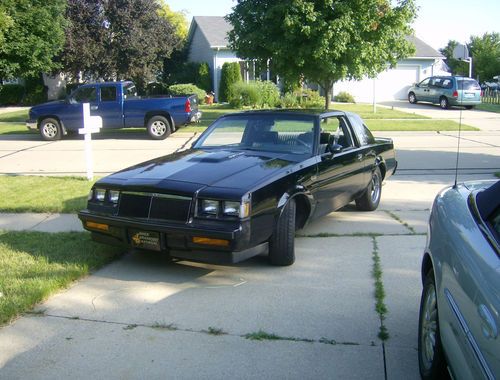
[{"x": 35, "y": 265}]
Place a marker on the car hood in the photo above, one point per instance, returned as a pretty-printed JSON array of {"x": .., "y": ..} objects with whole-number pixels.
[
  {"x": 222, "y": 168},
  {"x": 46, "y": 105}
]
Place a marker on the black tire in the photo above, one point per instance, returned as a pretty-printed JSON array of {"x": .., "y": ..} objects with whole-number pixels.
[
  {"x": 431, "y": 361},
  {"x": 412, "y": 98},
  {"x": 282, "y": 242},
  {"x": 158, "y": 128},
  {"x": 371, "y": 197},
  {"x": 444, "y": 103},
  {"x": 50, "y": 129},
  {"x": 469, "y": 107}
]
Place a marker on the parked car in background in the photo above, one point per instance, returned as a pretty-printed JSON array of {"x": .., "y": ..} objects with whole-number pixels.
[
  {"x": 119, "y": 106},
  {"x": 243, "y": 189},
  {"x": 460, "y": 306},
  {"x": 446, "y": 91}
]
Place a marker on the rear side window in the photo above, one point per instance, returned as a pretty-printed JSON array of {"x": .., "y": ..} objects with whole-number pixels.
[
  {"x": 85, "y": 95},
  {"x": 108, "y": 94},
  {"x": 362, "y": 132}
]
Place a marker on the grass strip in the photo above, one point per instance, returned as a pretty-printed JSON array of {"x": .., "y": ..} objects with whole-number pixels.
[
  {"x": 35, "y": 265},
  {"x": 380, "y": 306},
  {"x": 43, "y": 194},
  {"x": 488, "y": 107},
  {"x": 416, "y": 125},
  {"x": 19, "y": 116}
]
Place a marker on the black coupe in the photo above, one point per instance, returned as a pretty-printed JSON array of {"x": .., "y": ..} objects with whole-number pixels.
[{"x": 243, "y": 188}]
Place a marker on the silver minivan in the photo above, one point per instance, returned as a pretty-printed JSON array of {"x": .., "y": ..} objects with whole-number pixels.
[{"x": 446, "y": 91}]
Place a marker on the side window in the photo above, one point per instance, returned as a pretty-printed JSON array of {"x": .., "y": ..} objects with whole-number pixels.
[
  {"x": 362, "y": 132},
  {"x": 339, "y": 132},
  {"x": 108, "y": 94},
  {"x": 425, "y": 83},
  {"x": 84, "y": 95},
  {"x": 437, "y": 82},
  {"x": 447, "y": 83}
]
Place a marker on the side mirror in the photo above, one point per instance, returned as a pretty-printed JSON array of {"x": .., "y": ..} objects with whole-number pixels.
[{"x": 335, "y": 148}]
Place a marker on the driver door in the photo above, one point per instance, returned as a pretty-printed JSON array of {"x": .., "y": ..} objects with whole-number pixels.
[{"x": 72, "y": 116}]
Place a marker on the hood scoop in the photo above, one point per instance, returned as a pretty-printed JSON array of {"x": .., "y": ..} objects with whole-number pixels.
[{"x": 216, "y": 157}]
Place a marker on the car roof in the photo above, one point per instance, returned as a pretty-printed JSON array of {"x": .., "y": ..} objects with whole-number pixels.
[{"x": 292, "y": 112}]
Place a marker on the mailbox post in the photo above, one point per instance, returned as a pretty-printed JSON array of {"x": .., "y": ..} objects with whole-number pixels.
[{"x": 91, "y": 124}]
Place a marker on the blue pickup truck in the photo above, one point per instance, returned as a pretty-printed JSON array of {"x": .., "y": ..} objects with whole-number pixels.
[{"x": 119, "y": 106}]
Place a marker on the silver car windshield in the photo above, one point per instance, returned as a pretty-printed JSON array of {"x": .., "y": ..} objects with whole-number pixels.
[{"x": 271, "y": 133}]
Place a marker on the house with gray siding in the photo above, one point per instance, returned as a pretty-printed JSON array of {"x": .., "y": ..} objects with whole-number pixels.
[{"x": 208, "y": 43}]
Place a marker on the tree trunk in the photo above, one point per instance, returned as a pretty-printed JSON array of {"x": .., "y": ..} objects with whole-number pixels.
[{"x": 327, "y": 88}]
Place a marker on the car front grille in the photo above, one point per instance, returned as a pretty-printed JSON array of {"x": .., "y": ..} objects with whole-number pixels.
[{"x": 154, "y": 206}]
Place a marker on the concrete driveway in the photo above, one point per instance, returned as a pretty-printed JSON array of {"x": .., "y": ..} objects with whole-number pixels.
[{"x": 146, "y": 317}]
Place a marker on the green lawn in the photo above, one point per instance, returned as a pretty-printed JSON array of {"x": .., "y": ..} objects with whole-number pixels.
[
  {"x": 20, "y": 116},
  {"x": 489, "y": 107},
  {"x": 35, "y": 265},
  {"x": 416, "y": 125},
  {"x": 43, "y": 194}
]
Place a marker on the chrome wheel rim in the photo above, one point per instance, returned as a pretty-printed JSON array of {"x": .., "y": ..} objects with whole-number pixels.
[
  {"x": 429, "y": 328},
  {"x": 443, "y": 103},
  {"x": 412, "y": 98},
  {"x": 375, "y": 188},
  {"x": 49, "y": 130},
  {"x": 158, "y": 128}
]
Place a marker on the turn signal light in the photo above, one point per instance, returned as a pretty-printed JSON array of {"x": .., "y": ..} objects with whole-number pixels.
[
  {"x": 97, "y": 226},
  {"x": 455, "y": 94},
  {"x": 210, "y": 241},
  {"x": 187, "y": 106}
]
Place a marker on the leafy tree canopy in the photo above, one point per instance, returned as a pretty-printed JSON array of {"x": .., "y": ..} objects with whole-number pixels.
[
  {"x": 323, "y": 40},
  {"x": 457, "y": 67},
  {"x": 117, "y": 39},
  {"x": 31, "y": 34},
  {"x": 177, "y": 19}
]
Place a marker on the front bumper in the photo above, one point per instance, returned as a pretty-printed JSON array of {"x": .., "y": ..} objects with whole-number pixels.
[
  {"x": 31, "y": 124},
  {"x": 174, "y": 239}
]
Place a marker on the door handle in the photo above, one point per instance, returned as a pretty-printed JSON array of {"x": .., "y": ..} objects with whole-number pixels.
[
  {"x": 488, "y": 325},
  {"x": 94, "y": 108}
]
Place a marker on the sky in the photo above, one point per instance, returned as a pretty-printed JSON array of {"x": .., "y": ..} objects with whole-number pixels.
[{"x": 438, "y": 21}]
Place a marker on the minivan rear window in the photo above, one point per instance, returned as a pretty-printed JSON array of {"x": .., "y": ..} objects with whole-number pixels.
[{"x": 467, "y": 84}]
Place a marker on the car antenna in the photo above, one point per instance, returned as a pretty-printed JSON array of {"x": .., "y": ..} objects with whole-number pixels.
[{"x": 461, "y": 52}]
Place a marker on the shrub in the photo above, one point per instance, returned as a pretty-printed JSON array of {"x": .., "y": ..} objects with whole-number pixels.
[
  {"x": 302, "y": 99},
  {"x": 245, "y": 95},
  {"x": 11, "y": 94},
  {"x": 186, "y": 89},
  {"x": 204, "y": 80},
  {"x": 230, "y": 75},
  {"x": 36, "y": 91},
  {"x": 269, "y": 94},
  {"x": 344, "y": 97}
]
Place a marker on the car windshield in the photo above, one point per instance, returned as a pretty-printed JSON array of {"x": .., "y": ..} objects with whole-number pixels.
[
  {"x": 292, "y": 134},
  {"x": 468, "y": 84}
]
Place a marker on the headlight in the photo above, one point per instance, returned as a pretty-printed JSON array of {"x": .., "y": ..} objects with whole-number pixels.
[
  {"x": 114, "y": 195},
  {"x": 100, "y": 194},
  {"x": 231, "y": 208},
  {"x": 209, "y": 207}
]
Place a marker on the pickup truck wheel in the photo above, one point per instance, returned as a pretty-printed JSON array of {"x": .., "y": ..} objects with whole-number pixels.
[
  {"x": 371, "y": 197},
  {"x": 282, "y": 242},
  {"x": 158, "y": 127},
  {"x": 50, "y": 129}
]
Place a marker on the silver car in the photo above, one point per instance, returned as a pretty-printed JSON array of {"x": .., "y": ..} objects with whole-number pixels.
[{"x": 460, "y": 306}]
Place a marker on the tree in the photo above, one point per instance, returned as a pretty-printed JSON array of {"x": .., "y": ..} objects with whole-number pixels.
[
  {"x": 177, "y": 19},
  {"x": 230, "y": 74},
  {"x": 323, "y": 40},
  {"x": 117, "y": 39},
  {"x": 457, "y": 67},
  {"x": 485, "y": 52},
  {"x": 31, "y": 34}
]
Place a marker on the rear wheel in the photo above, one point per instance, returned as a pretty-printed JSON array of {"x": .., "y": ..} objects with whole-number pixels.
[
  {"x": 431, "y": 360},
  {"x": 50, "y": 130},
  {"x": 371, "y": 197},
  {"x": 469, "y": 107},
  {"x": 443, "y": 102},
  {"x": 282, "y": 242},
  {"x": 158, "y": 127},
  {"x": 412, "y": 98}
]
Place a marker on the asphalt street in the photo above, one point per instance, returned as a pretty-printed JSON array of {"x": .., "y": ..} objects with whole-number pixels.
[{"x": 144, "y": 316}]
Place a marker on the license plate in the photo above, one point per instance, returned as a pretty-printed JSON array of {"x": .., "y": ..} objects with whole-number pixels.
[
  {"x": 145, "y": 240},
  {"x": 468, "y": 95}
]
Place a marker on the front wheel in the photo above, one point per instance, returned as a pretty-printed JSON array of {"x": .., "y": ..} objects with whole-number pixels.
[
  {"x": 469, "y": 107},
  {"x": 50, "y": 130},
  {"x": 158, "y": 128},
  {"x": 443, "y": 103},
  {"x": 282, "y": 242},
  {"x": 371, "y": 197},
  {"x": 412, "y": 98},
  {"x": 431, "y": 360}
]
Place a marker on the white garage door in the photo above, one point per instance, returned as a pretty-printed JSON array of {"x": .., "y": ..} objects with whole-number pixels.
[{"x": 392, "y": 84}]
